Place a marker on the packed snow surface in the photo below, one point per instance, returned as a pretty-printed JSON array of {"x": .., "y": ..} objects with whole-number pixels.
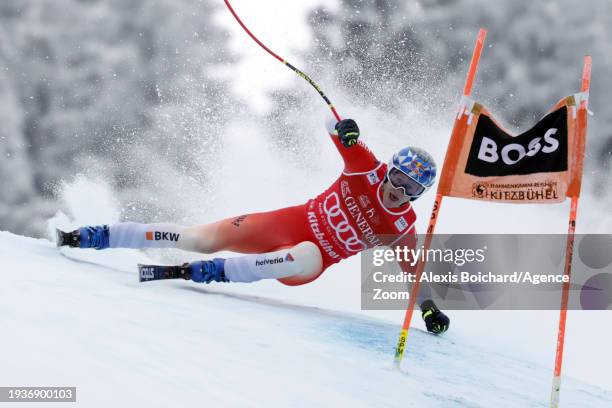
[{"x": 81, "y": 318}]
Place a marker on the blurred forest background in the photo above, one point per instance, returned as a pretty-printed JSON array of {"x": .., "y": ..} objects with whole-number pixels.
[{"x": 129, "y": 90}]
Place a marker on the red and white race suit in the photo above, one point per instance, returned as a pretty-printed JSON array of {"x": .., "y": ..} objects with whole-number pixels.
[{"x": 344, "y": 220}]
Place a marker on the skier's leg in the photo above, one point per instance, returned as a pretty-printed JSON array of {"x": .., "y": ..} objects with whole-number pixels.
[
  {"x": 302, "y": 261},
  {"x": 251, "y": 233},
  {"x": 127, "y": 235},
  {"x": 159, "y": 235},
  {"x": 122, "y": 235}
]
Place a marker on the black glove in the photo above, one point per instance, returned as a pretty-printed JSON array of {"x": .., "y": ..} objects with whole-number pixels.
[
  {"x": 436, "y": 321},
  {"x": 348, "y": 132}
]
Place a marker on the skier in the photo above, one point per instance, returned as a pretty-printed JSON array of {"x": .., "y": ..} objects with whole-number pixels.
[{"x": 367, "y": 206}]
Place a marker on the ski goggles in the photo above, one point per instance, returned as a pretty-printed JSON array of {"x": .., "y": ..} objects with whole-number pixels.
[{"x": 409, "y": 186}]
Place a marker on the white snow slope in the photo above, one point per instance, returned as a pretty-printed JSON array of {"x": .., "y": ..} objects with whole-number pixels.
[{"x": 67, "y": 322}]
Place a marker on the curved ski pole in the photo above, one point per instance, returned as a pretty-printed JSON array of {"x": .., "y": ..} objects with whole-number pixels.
[{"x": 293, "y": 68}]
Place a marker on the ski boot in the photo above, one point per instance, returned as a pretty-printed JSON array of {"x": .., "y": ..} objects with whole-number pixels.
[
  {"x": 86, "y": 237},
  {"x": 199, "y": 271}
]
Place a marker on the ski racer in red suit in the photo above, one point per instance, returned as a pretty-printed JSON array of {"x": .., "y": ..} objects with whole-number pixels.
[{"x": 367, "y": 206}]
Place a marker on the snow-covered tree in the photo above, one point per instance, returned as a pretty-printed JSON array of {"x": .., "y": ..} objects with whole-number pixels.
[
  {"x": 114, "y": 88},
  {"x": 385, "y": 52}
]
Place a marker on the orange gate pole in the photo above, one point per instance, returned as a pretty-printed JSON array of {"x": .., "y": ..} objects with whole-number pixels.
[{"x": 569, "y": 249}]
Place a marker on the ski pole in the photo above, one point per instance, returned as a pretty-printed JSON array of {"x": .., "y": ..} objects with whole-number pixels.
[
  {"x": 467, "y": 90},
  {"x": 286, "y": 63}
]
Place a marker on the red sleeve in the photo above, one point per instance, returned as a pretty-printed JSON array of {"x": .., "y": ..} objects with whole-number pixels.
[{"x": 358, "y": 158}]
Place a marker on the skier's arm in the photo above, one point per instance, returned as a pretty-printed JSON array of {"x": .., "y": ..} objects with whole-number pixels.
[
  {"x": 356, "y": 155},
  {"x": 435, "y": 320}
]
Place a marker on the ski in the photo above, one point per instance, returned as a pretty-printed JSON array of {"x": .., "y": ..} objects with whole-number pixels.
[{"x": 148, "y": 273}]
